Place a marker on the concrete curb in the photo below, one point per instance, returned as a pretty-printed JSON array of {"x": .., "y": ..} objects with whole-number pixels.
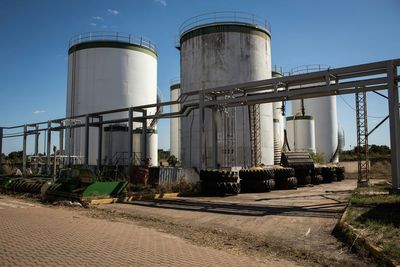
[{"x": 358, "y": 242}]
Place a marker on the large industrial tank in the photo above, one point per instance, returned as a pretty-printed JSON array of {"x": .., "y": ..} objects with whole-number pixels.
[
  {"x": 108, "y": 71},
  {"x": 175, "y": 123},
  {"x": 323, "y": 109},
  {"x": 301, "y": 133},
  {"x": 220, "y": 49}
]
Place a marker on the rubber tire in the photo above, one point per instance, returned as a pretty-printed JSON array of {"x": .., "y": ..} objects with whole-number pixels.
[
  {"x": 286, "y": 183},
  {"x": 257, "y": 186},
  {"x": 329, "y": 174},
  {"x": 340, "y": 173},
  {"x": 304, "y": 180},
  {"x": 317, "y": 179},
  {"x": 285, "y": 172},
  {"x": 291, "y": 183}
]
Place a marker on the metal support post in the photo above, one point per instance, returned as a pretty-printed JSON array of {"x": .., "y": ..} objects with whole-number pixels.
[
  {"x": 36, "y": 147},
  {"x": 24, "y": 151},
  {"x": 214, "y": 142},
  {"x": 48, "y": 147},
  {"x": 1, "y": 145},
  {"x": 100, "y": 144},
  {"x": 130, "y": 138},
  {"x": 144, "y": 137},
  {"x": 54, "y": 163},
  {"x": 201, "y": 130},
  {"x": 362, "y": 138},
  {"x": 394, "y": 120},
  {"x": 86, "y": 140},
  {"x": 61, "y": 144}
]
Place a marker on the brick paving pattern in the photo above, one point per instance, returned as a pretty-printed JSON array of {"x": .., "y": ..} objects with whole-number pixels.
[{"x": 35, "y": 235}]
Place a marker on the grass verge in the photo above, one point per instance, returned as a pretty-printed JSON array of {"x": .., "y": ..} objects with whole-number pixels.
[{"x": 374, "y": 214}]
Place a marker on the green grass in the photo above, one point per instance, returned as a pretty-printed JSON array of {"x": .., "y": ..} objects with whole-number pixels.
[
  {"x": 376, "y": 213},
  {"x": 375, "y": 199}
]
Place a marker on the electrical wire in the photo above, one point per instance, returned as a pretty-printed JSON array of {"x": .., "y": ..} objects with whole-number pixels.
[{"x": 374, "y": 117}]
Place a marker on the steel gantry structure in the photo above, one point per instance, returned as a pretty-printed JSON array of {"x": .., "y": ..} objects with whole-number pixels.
[{"x": 374, "y": 76}]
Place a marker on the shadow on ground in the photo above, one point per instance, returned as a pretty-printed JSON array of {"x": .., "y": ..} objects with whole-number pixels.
[{"x": 326, "y": 210}]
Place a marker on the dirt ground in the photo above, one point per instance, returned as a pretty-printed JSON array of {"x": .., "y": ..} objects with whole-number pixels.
[{"x": 294, "y": 225}]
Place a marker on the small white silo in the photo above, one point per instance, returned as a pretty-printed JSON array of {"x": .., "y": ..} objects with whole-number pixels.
[
  {"x": 151, "y": 146},
  {"x": 106, "y": 71},
  {"x": 301, "y": 133},
  {"x": 219, "y": 49},
  {"x": 323, "y": 110}
]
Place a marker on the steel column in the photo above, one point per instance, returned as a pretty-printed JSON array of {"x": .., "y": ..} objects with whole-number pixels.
[
  {"x": 36, "y": 147},
  {"x": 144, "y": 138},
  {"x": 100, "y": 144},
  {"x": 61, "y": 143},
  {"x": 48, "y": 147},
  {"x": 24, "y": 151},
  {"x": 362, "y": 138},
  {"x": 201, "y": 131},
  {"x": 214, "y": 142},
  {"x": 1, "y": 145},
  {"x": 394, "y": 120},
  {"x": 86, "y": 140},
  {"x": 130, "y": 138}
]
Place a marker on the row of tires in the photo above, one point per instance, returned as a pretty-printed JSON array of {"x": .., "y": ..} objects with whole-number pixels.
[
  {"x": 24, "y": 185},
  {"x": 215, "y": 182}
]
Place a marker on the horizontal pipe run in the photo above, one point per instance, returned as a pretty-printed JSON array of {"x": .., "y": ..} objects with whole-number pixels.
[{"x": 281, "y": 85}]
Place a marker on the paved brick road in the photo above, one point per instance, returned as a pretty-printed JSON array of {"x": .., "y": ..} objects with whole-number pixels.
[{"x": 36, "y": 235}]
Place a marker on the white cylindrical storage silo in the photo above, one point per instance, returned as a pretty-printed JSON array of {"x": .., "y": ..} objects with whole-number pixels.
[
  {"x": 218, "y": 51},
  {"x": 151, "y": 147},
  {"x": 108, "y": 71},
  {"x": 323, "y": 109},
  {"x": 175, "y": 123},
  {"x": 301, "y": 133}
]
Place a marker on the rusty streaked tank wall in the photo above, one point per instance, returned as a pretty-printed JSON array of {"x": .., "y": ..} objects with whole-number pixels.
[{"x": 223, "y": 50}]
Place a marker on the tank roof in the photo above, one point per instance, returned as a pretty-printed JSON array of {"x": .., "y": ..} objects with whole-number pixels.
[
  {"x": 175, "y": 84},
  {"x": 224, "y": 18},
  {"x": 112, "y": 37}
]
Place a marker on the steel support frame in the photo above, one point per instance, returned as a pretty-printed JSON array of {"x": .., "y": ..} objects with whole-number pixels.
[
  {"x": 48, "y": 161},
  {"x": 394, "y": 120},
  {"x": 362, "y": 139},
  {"x": 87, "y": 139},
  {"x": 348, "y": 80},
  {"x": 24, "y": 150},
  {"x": 36, "y": 148},
  {"x": 202, "y": 158},
  {"x": 100, "y": 144},
  {"x": 144, "y": 138},
  {"x": 130, "y": 139},
  {"x": 1, "y": 145},
  {"x": 214, "y": 140}
]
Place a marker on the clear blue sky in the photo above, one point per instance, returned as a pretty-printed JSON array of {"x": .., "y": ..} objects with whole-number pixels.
[{"x": 35, "y": 35}]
